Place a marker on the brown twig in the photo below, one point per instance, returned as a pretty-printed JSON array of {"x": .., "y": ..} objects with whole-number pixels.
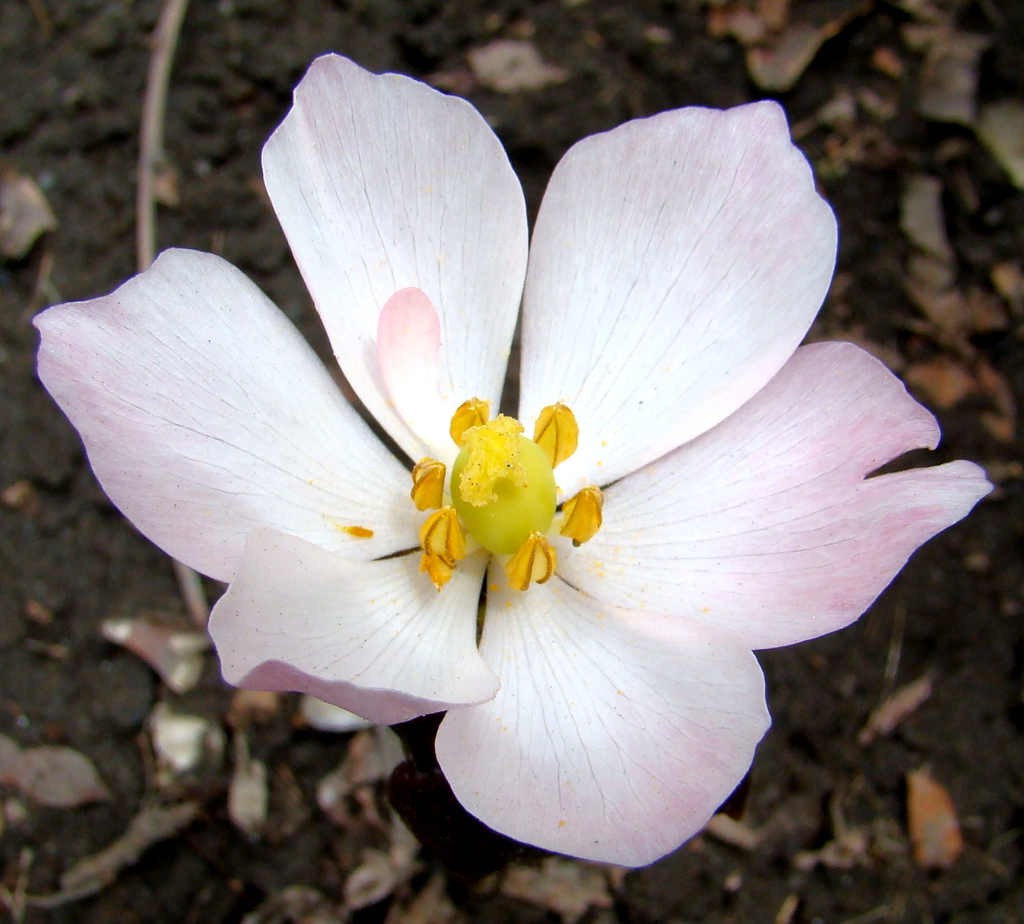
[{"x": 151, "y": 156}]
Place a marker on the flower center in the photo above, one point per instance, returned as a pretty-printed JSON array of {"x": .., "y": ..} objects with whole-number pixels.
[
  {"x": 502, "y": 494},
  {"x": 503, "y": 486}
]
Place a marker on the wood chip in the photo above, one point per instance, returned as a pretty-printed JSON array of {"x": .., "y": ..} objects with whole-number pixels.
[{"x": 931, "y": 818}]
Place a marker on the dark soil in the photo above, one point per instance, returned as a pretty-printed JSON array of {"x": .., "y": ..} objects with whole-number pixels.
[{"x": 73, "y": 74}]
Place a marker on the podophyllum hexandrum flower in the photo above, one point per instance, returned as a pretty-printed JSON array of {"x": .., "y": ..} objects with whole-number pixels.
[{"x": 711, "y": 474}]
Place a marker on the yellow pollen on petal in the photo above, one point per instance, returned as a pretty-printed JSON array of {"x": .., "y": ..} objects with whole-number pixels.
[
  {"x": 581, "y": 515},
  {"x": 557, "y": 433},
  {"x": 533, "y": 563},
  {"x": 471, "y": 413},
  {"x": 428, "y": 484},
  {"x": 441, "y": 536},
  {"x": 357, "y": 532}
]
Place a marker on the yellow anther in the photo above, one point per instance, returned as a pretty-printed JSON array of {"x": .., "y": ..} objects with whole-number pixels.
[
  {"x": 469, "y": 414},
  {"x": 581, "y": 515},
  {"x": 438, "y": 570},
  {"x": 557, "y": 433},
  {"x": 534, "y": 562},
  {"x": 492, "y": 455},
  {"x": 427, "y": 484},
  {"x": 441, "y": 536}
]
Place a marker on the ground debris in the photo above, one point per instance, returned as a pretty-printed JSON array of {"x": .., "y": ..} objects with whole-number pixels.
[
  {"x": 297, "y": 904},
  {"x": 921, "y": 216},
  {"x": 932, "y": 822},
  {"x": 25, "y": 215},
  {"x": 778, "y": 50},
  {"x": 948, "y": 85},
  {"x": 176, "y": 654},
  {"x": 1001, "y": 129},
  {"x": 183, "y": 742},
  {"x": 58, "y": 777},
  {"x": 248, "y": 795},
  {"x": 513, "y": 65},
  {"x": 895, "y": 708},
  {"x": 735, "y": 833},
  {"x": 430, "y": 906},
  {"x": 383, "y": 872},
  {"x": 569, "y": 888},
  {"x": 327, "y": 717},
  {"x": 91, "y": 875}
]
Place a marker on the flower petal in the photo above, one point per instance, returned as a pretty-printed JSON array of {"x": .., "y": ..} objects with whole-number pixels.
[
  {"x": 375, "y": 638},
  {"x": 676, "y": 264},
  {"x": 382, "y": 183},
  {"x": 408, "y": 357},
  {"x": 205, "y": 414},
  {"x": 614, "y": 736},
  {"x": 766, "y": 525}
]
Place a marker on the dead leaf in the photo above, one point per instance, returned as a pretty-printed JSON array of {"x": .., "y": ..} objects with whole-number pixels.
[
  {"x": 778, "y": 66},
  {"x": 248, "y": 795},
  {"x": 431, "y": 906},
  {"x": 379, "y": 874},
  {"x": 252, "y": 707},
  {"x": 58, "y": 777},
  {"x": 297, "y": 904},
  {"x": 779, "y": 51},
  {"x": 182, "y": 742},
  {"x": 901, "y": 704},
  {"x": 921, "y": 216},
  {"x": 732, "y": 832},
  {"x": 327, "y": 717},
  {"x": 738, "y": 22},
  {"x": 1008, "y": 280},
  {"x": 1001, "y": 423},
  {"x": 1001, "y": 129},
  {"x": 948, "y": 83},
  {"x": 944, "y": 381},
  {"x": 176, "y": 654},
  {"x": 25, "y": 215},
  {"x": 569, "y": 888},
  {"x": 512, "y": 65},
  {"x": 932, "y": 821},
  {"x": 151, "y": 825}
]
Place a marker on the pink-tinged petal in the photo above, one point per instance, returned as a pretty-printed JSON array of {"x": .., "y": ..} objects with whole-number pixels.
[
  {"x": 614, "y": 736},
  {"x": 205, "y": 415},
  {"x": 408, "y": 357},
  {"x": 381, "y": 184},
  {"x": 766, "y": 526},
  {"x": 375, "y": 638},
  {"x": 676, "y": 264}
]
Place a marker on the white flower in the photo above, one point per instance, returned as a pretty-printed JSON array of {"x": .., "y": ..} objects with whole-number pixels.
[{"x": 676, "y": 264}]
